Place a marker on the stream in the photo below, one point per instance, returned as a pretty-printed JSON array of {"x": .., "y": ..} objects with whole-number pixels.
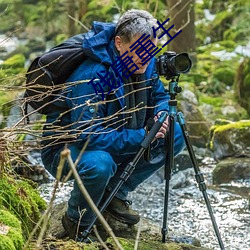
[{"x": 187, "y": 212}]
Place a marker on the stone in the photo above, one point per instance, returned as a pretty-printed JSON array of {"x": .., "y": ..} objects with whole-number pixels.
[
  {"x": 231, "y": 169},
  {"x": 231, "y": 139},
  {"x": 150, "y": 235}
]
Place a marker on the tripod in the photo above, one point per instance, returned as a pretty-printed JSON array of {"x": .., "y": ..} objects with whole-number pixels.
[
  {"x": 129, "y": 169},
  {"x": 173, "y": 90},
  {"x": 169, "y": 163}
]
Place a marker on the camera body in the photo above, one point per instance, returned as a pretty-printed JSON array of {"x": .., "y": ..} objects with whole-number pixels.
[{"x": 171, "y": 65}]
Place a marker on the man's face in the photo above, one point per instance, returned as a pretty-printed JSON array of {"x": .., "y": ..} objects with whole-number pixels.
[{"x": 124, "y": 47}]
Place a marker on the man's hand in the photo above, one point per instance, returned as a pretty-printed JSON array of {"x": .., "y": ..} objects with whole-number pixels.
[{"x": 164, "y": 128}]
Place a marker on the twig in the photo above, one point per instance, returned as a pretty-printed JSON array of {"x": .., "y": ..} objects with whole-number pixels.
[
  {"x": 77, "y": 21},
  {"x": 137, "y": 236},
  {"x": 188, "y": 15},
  {"x": 99, "y": 238},
  {"x": 45, "y": 217},
  {"x": 66, "y": 154}
]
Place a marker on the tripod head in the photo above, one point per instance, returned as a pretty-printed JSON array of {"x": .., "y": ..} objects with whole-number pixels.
[{"x": 174, "y": 89}]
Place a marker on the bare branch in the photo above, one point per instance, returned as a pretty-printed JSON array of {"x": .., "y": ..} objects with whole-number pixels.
[
  {"x": 79, "y": 22},
  {"x": 66, "y": 154}
]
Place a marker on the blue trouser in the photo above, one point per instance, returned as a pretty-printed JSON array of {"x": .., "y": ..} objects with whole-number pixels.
[{"x": 99, "y": 171}]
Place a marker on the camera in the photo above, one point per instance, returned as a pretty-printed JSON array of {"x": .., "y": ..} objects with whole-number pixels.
[{"x": 172, "y": 65}]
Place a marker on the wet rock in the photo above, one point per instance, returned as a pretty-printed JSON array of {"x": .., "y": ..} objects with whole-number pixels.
[
  {"x": 181, "y": 179},
  {"x": 232, "y": 139},
  {"x": 231, "y": 169}
]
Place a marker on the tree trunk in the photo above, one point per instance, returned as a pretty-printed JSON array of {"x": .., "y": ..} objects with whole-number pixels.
[
  {"x": 182, "y": 15},
  {"x": 72, "y": 12},
  {"x": 83, "y": 7}
]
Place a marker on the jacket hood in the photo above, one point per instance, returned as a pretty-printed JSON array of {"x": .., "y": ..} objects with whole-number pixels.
[{"x": 98, "y": 42}]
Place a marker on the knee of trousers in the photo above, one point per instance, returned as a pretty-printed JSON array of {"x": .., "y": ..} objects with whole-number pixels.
[
  {"x": 179, "y": 142},
  {"x": 97, "y": 165}
]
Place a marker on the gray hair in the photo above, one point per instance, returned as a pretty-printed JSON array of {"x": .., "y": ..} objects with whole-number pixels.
[{"x": 135, "y": 22}]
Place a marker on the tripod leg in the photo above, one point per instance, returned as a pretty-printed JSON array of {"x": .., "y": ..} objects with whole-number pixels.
[
  {"x": 168, "y": 173},
  {"x": 199, "y": 177},
  {"x": 129, "y": 168}
]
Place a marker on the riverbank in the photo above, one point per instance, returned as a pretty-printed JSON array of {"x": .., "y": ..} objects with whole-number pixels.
[{"x": 188, "y": 215}]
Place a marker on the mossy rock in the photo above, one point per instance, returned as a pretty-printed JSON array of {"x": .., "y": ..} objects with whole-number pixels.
[
  {"x": 242, "y": 85},
  {"x": 225, "y": 75},
  {"x": 221, "y": 107},
  {"x": 22, "y": 200},
  {"x": 231, "y": 169},
  {"x": 10, "y": 231},
  {"x": 232, "y": 139},
  {"x": 128, "y": 244}
]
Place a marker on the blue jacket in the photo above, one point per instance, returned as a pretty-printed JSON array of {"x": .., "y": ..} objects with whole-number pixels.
[{"x": 105, "y": 132}]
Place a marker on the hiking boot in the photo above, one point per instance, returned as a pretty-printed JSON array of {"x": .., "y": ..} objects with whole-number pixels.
[
  {"x": 75, "y": 231},
  {"x": 121, "y": 211}
]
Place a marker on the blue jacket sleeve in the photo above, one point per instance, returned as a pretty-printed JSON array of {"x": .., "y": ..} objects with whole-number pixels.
[{"x": 88, "y": 119}]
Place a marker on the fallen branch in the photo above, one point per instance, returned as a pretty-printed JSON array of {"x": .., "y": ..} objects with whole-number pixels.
[{"x": 66, "y": 154}]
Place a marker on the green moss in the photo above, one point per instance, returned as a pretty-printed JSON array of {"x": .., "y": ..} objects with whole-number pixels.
[
  {"x": 16, "y": 237},
  {"x": 235, "y": 125},
  {"x": 14, "y": 234},
  {"x": 6, "y": 243},
  {"x": 17, "y": 61},
  {"x": 219, "y": 102},
  {"x": 22, "y": 200},
  {"x": 224, "y": 75},
  {"x": 128, "y": 244},
  {"x": 9, "y": 219},
  {"x": 214, "y": 101},
  {"x": 220, "y": 131},
  {"x": 228, "y": 45}
]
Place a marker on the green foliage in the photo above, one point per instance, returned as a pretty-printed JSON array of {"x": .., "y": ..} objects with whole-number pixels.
[
  {"x": 214, "y": 101},
  {"x": 16, "y": 61},
  {"x": 230, "y": 23},
  {"x": 12, "y": 67},
  {"x": 21, "y": 199}
]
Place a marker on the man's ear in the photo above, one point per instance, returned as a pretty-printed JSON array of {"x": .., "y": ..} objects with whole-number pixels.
[{"x": 118, "y": 42}]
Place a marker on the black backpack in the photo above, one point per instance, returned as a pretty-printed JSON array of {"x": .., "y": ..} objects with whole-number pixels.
[{"x": 48, "y": 73}]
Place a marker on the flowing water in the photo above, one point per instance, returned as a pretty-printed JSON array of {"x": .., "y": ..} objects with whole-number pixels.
[{"x": 187, "y": 212}]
